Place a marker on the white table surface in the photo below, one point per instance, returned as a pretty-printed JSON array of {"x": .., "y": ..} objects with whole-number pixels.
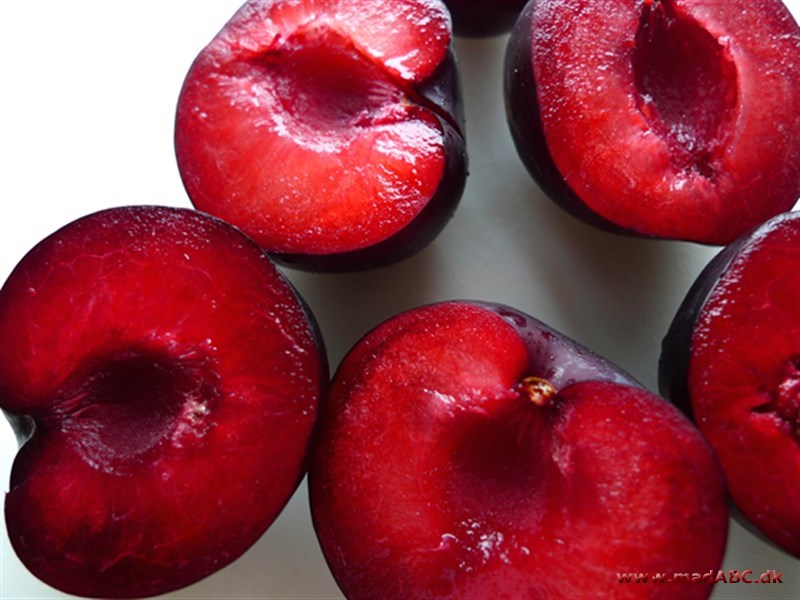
[{"x": 86, "y": 123}]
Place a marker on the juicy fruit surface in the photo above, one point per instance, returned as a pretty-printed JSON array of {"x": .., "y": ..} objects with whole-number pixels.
[
  {"x": 679, "y": 121},
  {"x": 744, "y": 378},
  {"x": 173, "y": 379},
  {"x": 437, "y": 477},
  {"x": 308, "y": 124}
]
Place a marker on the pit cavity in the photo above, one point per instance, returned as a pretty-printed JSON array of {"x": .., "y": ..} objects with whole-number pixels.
[
  {"x": 130, "y": 404},
  {"x": 785, "y": 398},
  {"x": 323, "y": 81},
  {"x": 686, "y": 84}
]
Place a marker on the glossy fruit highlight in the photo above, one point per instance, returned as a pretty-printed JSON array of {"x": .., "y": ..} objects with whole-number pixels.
[
  {"x": 164, "y": 379},
  {"x": 469, "y": 450},
  {"x": 331, "y": 133},
  {"x": 673, "y": 119},
  {"x": 732, "y": 360}
]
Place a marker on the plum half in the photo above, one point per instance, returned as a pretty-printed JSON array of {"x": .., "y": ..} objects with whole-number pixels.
[
  {"x": 731, "y": 359},
  {"x": 164, "y": 380},
  {"x": 470, "y": 451},
  {"x": 330, "y": 132},
  {"x": 673, "y": 119}
]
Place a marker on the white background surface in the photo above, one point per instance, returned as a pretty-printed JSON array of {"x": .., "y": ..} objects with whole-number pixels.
[{"x": 86, "y": 122}]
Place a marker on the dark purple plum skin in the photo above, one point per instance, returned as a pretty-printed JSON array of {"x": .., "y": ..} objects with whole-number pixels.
[
  {"x": 413, "y": 238},
  {"x": 442, "y": 94},
  {"x": 527, "y": 131},
  {"x": 525, "y": 102},
  {"x": 483, "y": 18},
  {"x": 556, "y": 357},
  {"x": 676, "y": 347},
  {"x": 88, "y": 237}
]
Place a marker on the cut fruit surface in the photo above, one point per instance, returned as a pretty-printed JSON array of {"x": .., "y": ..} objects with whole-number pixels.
[
  {"x": 409, "y": 37},
  {"x": 172, "y": 378},
  {"x": 686, "y": 85},
  {"x": 470, "y": 451},
  {"x": 312, "y": 128},
  {"x": 744, "y": 380},
  {"x": 663, "y": 118}
]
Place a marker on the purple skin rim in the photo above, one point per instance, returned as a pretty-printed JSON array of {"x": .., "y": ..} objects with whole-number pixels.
[
  {"x": 676, "y": 347},
  {"x": 412, "y": 238},
  {"x": 24, "y": 425},
  {"x": 556, "y": 357},
  {"x": 527, "y": 131},
  {"x": 443, "y": 93}
]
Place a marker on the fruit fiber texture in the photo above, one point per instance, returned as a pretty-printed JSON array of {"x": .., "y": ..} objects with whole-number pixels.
[
  {"x": 168, "y": 379},
  {"x": 441, "y": 474},
  {"x": 673, "y": 119},
  {"x": 732, "y": 359},
  {"x": 330, "y": 132}
]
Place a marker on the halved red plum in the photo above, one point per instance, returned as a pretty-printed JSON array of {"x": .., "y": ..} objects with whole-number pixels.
[
  {"x": 731, "y": 359},
  {"x": 673, "y": 119},
  {"x": 164, "y": 380},
  {"x": 330, "y": 132},
  {"x": 470, "y": 451}
]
